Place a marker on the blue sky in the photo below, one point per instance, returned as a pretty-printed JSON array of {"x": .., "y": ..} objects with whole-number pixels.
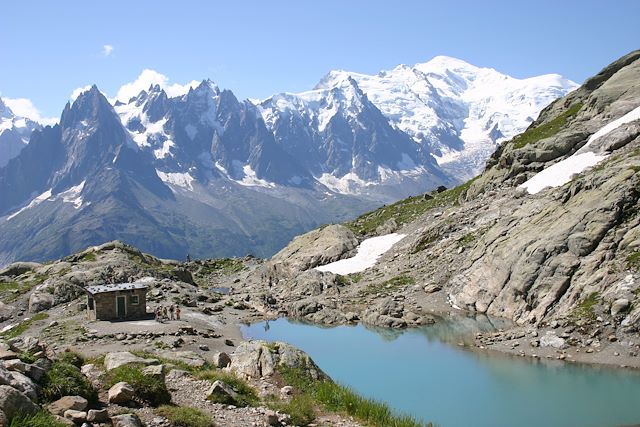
[{"x": 257, "y": 48}]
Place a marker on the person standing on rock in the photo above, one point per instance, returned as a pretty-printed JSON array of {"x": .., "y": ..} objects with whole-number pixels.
[
  {"x": 177, "y": 312},
  {"x": 171, "y": 312},
  {"x": 164, "y": 313}
]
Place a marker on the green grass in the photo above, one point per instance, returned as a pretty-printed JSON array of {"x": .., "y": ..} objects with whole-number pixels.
[
  {"x": 545, "y": 130},
  {"x": 148, "y": 388},
  {"x": 39, "y": 419},
  {"x": 301, "y": 409},
  {"x": 247, "y": 395},
  {"x": 222, "y": 265},
  {"x": 65, "y": 379},
  {"x": 585, "y": 310},
  {"x": 23, "y": 326},
  {"x": 71, "y": 358},
  {"x": 340, "y": 399},
  {"x": 173, "y": 364},
  {"x": 633, "y": 261},
  {"x": 182, "y": 416},
  {"x": 88, "y": 257},
  {"x": 406, "y": 210},
  {"x": 391, "y": 285},
  {"x": 11, "y": 290}
]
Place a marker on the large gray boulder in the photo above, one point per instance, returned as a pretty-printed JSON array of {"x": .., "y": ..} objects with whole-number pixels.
[
  {"x": 120, "y": 358},
  {"x": 23, "y": 383},
  {"x": 40, "y": 301},
  {"x": 255, "y": 359},
  {"x": 13, "y": 402}
]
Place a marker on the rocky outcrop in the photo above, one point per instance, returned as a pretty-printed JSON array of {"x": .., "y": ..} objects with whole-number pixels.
[
  {"x": 256, "y": 359},
  {"x": 317, "y": 247}
]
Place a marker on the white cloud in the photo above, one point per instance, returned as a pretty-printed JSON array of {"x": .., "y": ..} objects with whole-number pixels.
[
  {"x": 23, "y": 107},
  {"x": 107, "y": 49},
  {"x": 77, "y": 92},
  {"x": 151, "y": 77}
]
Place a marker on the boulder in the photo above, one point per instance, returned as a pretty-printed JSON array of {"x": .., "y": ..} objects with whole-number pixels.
[
  {"x": 64, "y": 421},
  {"x": 157, "y": 371},
  {"x": 25, "y": 344},
  {"x": 40, "y": 301},
  {"x": 18, "y": 268},
  {"x": 126, "y": 420},
  {"x": 23, "y": 383},
  {"x": 76, "y": 403},
  {"x": 7, "y": 354},
  {"x": 221, "y": 360},
  {"x": 121, "y": 393},
  {"x": 432, "y": 288},
  {"x": 15, "y": 365},
  {"x": 550, "y": 339},
  {"x": 221, "y": 392},
  {"x": 13, "y": 402},
  {"x": 120, "y": 358},
  {"x": 255, "y": 359},
  {"x": 619, "y": 306},
  {"x": 77, "y": 417},
  {"x": 98, "y": 416}
]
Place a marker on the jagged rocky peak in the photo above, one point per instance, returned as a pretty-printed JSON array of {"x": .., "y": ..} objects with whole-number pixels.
[
  {"x": 89, "y": 108},
  {"x": 5, "y": 111}
]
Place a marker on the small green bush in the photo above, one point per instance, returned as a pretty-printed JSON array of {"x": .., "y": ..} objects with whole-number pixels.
[
  {"x": 65, "y": 379},
  {"x": 149, "y": 388},
  {"x": 301, "y": 409},
  {"x": 247, "y": 395},
  {"x": 39, "y": 419},
  {"x": 182, "y": 416}
]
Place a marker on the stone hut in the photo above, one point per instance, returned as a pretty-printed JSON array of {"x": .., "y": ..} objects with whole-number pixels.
[{"x": 117, "y": 301}]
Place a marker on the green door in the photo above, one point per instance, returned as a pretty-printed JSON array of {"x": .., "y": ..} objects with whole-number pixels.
[{"x": 121, "y": 310}]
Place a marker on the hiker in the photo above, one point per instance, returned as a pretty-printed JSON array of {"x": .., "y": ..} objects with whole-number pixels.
[
  {"x": 171, "y": 315},
  {"x": 188, "y": 258},
  {"x": 177, "y": 312},
  {"x": 164, "y": 313}
]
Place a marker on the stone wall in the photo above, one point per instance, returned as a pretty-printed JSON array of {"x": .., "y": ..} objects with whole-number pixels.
[{"x": 105, "y": 305}]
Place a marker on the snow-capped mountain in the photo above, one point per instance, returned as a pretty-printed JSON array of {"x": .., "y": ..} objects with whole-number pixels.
[
  {"x": 201, "y": 172},
  {"x": 347, "y": 143},
  {"x": 453, "y": 110},
  {"x": 14, "y": 133}
]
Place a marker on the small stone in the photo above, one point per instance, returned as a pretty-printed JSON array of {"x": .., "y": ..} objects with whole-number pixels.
[
  {"x": 286, "y": 390},
  {"x": 203, "y": 347},
  {"x": 98, "y": 416},
  {"x": 612, "y": 338},
  {"x": 75, "y": 416},
  {"x": 229, "y": 342},
  {"x": 126, "y": 420},
  {"x": 221, "y": 392}
]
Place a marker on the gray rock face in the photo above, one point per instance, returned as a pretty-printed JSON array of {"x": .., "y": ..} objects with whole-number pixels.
[
  {"x": 13, "y": 402},
  {"x": 25, "y": 385},
  {"x": 318, "y": 247},
  {"x": 255, "y": 359}
]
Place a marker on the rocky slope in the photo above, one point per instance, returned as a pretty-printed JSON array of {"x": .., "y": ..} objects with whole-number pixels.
[{"x": 566, "y": 255}]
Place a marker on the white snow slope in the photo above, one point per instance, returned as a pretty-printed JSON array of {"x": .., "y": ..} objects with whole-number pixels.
[
  {"x": 367, "y": 255},
  {"x": 562, "y": 172}
]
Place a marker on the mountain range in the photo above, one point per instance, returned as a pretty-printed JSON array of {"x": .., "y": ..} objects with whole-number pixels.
[{"x": 206, "y": 174}]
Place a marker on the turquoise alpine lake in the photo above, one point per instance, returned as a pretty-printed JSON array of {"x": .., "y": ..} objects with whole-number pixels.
[{"x": 424, "y": 372}]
